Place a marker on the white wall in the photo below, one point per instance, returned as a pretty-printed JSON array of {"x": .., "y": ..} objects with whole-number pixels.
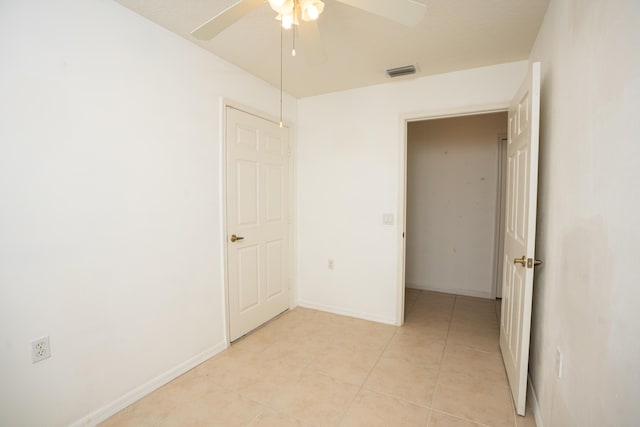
[
  {"x": 587, "y": 292},
  {"x": 350, "y": 147},
  {"x": 110, "y": 204},
  {"x": 452, "y": 190}
]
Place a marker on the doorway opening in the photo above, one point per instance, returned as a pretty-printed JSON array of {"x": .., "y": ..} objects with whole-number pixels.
[{"x": 454, "y": 201}]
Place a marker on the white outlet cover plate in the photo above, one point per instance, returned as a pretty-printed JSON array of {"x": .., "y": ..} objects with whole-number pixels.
[{"x": 40, "y": 349}]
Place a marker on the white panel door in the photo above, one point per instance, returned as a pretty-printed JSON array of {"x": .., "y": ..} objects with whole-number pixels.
[
  {"x": 257, "y": 220},
  {"x": 520, "y": 233}
]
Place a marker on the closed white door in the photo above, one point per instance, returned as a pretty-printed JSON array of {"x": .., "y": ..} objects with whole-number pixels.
[
  {"x": 520, "y": 233},
  {"x": 257, "y": 220}
]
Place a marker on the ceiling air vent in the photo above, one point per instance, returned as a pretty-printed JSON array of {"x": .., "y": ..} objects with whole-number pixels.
[{"x": 401, "y": 71}]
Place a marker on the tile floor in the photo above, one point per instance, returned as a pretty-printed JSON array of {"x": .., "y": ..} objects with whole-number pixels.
[{"x": 310, "y": 368}]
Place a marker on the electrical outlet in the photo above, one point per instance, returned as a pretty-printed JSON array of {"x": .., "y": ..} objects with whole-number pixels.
[
  {"x": 558, "y": 363},
  {"x": 330, "y": 265},
  {"x": 40, "y": 349}
]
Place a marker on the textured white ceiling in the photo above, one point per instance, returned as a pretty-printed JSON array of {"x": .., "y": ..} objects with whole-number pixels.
[{"x": 455, "y": 35}]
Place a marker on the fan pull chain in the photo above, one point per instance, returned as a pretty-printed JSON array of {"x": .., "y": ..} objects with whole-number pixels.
[
  {"x": 281, "y": 48},
  {"x": 293, "y": 51}
]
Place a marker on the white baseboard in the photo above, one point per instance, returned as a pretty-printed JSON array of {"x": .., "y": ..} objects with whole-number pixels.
[
  {"x": 138, "y": 393},
  {"x": 455, "y": 291},
  {"x": 344, "y": 312},
  {"x": 535, "y": 406}
]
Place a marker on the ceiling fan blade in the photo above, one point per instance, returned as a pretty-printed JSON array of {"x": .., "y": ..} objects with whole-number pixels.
[
  {"x": 229, "y": 16},
  {"x": 405, "y": 12},
  {"x": 311, "y": 41}
]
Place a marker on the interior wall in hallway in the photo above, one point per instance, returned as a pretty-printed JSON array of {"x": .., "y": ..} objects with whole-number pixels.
[{"x": 452, "y": 189}]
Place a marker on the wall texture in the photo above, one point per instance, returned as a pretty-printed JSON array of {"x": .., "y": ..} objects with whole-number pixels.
[
  {"x": 349, "y": 160},
  {"x": 586, "y": 294},
  {"x": 452, "y": 190},
  {"x": 110, "y": 205}
]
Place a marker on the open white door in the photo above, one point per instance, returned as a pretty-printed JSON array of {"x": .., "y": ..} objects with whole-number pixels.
[
  {"x": 520, "y": 234},
  {"x": 257, "y": 220}
]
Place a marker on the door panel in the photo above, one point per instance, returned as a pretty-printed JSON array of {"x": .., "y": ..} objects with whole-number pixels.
[
  {"x": 248, "y": 280},
  {"x": 257, "y": 213},
  {"x": 247, "y": 192},
  {"x": 274, "y": 193},
  {"x": 520, "y": 229},
  {"x": 274, "y": 268}
]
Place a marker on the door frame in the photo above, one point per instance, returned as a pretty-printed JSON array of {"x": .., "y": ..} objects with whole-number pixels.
[
  {"x": 405, "y": 119},
  {"x": 292, "y": 274},
  {"x": 500, "y": 217}
]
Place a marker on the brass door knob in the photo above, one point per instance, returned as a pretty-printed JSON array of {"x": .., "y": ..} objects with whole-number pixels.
[
  {"x": 522, "y": 260},
  {"x": 235, "y": 238}
]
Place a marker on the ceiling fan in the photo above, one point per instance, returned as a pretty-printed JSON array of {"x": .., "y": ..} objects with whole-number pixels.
[{"x": 303, "y": 14}]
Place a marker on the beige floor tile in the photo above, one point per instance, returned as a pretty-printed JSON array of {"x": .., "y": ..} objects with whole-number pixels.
[
  {"x": 217, "y": 407},
  {"x": 428, "y": 315},
  {"x": 408, "y": 307},
  {"x": 481, "y": 401},
  {"x": 192, "y": 402},
  {"x": 436, "y": 300},
  {"x": 294, "y": 319},
  {"x": 345, "y": 364},
  {"x": 474, "y": 301},
  {"x": 411, "y": 294},
  {"x": 526, "y": 421},
  {"x": 159, "y": 405},
  {"x": 309, "y": 341},
  {"x": 425, "y": 331},
  {"x": 411, "y": 383},
  {"x": 257, "y": 341},
  {"x": 271, "y": 383},
  {"x": 470, "y": 320},
  {"x": 271, "y": 418},
  {"x": 358, "y": 340},
  {"x": 130, "y": 418},
  {"x": 478, "y": 338},
  {"x": 438, "y": 419},
  {"x": 372, "y": 409},
  {"x": 305, "y": 367},
  {"x": 487, "y": 366},
  {"x": 292, "y": 352},
  {"x": 316, "y": 399},
  {"x": 415, "y": 351},
  {"x": 232, "y": 368}
]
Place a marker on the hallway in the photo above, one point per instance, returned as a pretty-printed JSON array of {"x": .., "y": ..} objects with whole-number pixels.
[{"x": 311, "y": 368}]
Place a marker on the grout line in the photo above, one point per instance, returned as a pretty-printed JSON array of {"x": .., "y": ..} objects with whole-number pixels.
[
  {"x": 460, "y": 418},
  {"x": 368, "y": 375},
  {"x": 440, "y": 370},
  {"x": 446, "y": 343},
  {"x": 444, "y": 349}
]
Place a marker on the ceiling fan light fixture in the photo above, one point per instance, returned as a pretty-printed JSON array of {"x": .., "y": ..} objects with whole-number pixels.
[
  {"x": 311, "y": 9},
  {"x": 283, "y": 7},
  {"x": 276, "y": 4},
  {"x": 287, "y": 21}
]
